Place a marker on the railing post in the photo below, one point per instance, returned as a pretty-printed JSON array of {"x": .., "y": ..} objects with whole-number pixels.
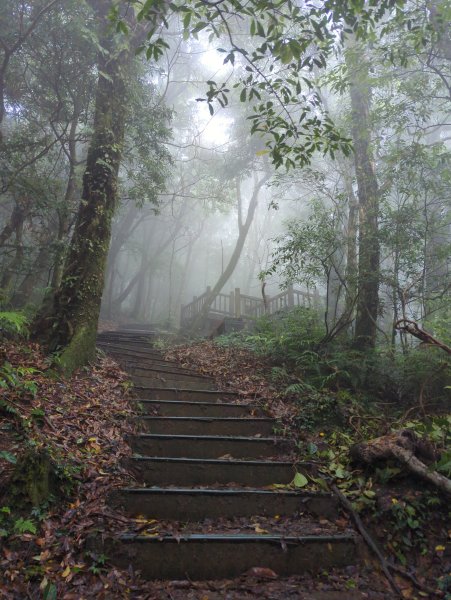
[
  {"x": 237, "y": 303},
  {"x": 232, "y": 304}
]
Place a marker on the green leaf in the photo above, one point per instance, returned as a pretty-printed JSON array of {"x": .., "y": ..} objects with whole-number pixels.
[
  {"x": 4, "y": 455},
  {"x": 300, "y": 480},
  {"x": 50, "y": 592},
  {"x": 106, "y": 76},
  {"x": 187, "y": 20},
  {"x": 24, "y": 526}
]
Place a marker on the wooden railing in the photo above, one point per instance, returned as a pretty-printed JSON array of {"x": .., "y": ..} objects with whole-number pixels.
[{"x": 239, "y": 305}]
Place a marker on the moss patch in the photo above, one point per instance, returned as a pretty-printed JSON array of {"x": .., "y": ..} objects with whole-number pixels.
[{"x": 80, "y": 350}]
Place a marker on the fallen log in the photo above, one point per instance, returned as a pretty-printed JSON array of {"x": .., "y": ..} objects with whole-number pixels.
[{"x": 409, "y": 449}]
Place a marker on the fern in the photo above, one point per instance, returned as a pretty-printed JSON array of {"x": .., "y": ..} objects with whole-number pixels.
[
  {"x": 298, "y": 388},
  {"x": 13, "y": 322}
]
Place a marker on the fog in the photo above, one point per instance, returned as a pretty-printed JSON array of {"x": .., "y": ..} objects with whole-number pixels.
[{"x": 204, "y": 203}]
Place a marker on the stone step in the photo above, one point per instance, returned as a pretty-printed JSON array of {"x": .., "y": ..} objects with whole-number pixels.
[
  {"x": 145, "y": 338},
  {"x": 199, "y": 556},
  {"x": 163, "y": 381},
  {"x": 205, "y": 446},
  {"x": 173, "y": 408},
  {"x": 207, "y": 426},
  {"x": 148, "y": 366},
  {"x": 182, "y": 394},
  {"x": 140, "y": 350},
  {"x": 190, "y": 504},
  {"x": 160, "y": 471}
]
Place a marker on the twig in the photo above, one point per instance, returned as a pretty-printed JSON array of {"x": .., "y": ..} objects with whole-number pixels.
[
  {"x": 366, "y": 536},
  {"x": 415, "y": 581}
]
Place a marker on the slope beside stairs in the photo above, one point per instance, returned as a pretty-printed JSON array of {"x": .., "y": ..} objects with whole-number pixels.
[{"x": 201, "y": 456}]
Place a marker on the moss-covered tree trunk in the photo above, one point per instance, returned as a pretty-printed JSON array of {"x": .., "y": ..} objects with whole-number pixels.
[
  {"x": 71, "y": 325},
  {"x": 368, "y": 195}
]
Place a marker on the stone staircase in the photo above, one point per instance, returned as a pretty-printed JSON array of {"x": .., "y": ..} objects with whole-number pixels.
[{"x": 202, "y": 458}]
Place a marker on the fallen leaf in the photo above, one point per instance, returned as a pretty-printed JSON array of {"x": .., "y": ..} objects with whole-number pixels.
[{"x": 262, "y": 573}]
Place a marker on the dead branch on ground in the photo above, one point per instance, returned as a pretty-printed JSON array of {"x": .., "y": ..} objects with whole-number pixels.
[{"x": 408, "y": 449}]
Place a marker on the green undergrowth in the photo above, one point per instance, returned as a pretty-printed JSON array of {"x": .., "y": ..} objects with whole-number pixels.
[
  {"x": 13, "y": 323},
  {"x": 341, "y": 397},
  {"x": 403, "y": 377}
]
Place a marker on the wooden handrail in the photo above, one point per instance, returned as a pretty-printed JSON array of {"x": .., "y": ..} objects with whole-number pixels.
[{"x": 240, "y": 305}]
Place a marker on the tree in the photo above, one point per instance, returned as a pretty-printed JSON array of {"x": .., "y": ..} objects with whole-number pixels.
[
  {"x": 243, "y": 230},
  {"x": 26, "y": 18},
  {"x": 71, "y": 325},
  {"x": 76, "y": 306},
  {"x": 368, "y": 194}
]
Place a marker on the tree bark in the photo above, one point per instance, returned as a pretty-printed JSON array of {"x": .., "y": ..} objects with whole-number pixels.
[
  {"x": 13, "y": 267},
  {"x": 368, "y": 194},
  {"x": 72, "y": 325}
]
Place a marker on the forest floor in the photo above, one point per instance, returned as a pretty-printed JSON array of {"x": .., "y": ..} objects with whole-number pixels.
[{"x": 72, "y": 433}]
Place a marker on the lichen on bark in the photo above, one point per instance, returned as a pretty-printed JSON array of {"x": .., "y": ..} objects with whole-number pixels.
[{"x": 69, "y": 325}]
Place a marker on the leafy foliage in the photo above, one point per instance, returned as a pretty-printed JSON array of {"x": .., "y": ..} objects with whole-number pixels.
[
  {"x": 13, "y": 322},
  {"x": 294, "y": 41}
]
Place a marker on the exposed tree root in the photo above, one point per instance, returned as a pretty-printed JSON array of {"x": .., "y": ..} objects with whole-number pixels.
[
  {"x": 408, "y": 449},
  {"x": 368, "y": 539},
  {"x": 386, "y": 566}
]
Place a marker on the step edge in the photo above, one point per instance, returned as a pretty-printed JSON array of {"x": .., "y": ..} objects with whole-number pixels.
[
  {"x": 203, "y": 438},
  {"x": 174, "y": 389},
  {"x": 244, "y": 538},
  {"x": 207, "y": 419},
  {"x": 215, "y": 461},
  {"x": 226, "y": 491},
  {"x": 190, "y": 403}
]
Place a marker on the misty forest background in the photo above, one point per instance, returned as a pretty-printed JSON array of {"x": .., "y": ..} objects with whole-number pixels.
[{"x": 151, "y": 150}]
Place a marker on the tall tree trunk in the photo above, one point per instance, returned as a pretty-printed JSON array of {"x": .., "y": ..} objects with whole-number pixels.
[
  {"x": 14, "y": 265},
  {"x": 20, "y": 212},
  {"x": 64, "y": 213},
  {"x": 243, "y": 230},
  {"x": 368, "y": 194},
  {"x": 125, "y": 228},
  {"x": 144, "y": 269},
  {"x": 351, "y": 248},
  {"x": 24, "y": 292},
  {"x": 72, "y": 324}
]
